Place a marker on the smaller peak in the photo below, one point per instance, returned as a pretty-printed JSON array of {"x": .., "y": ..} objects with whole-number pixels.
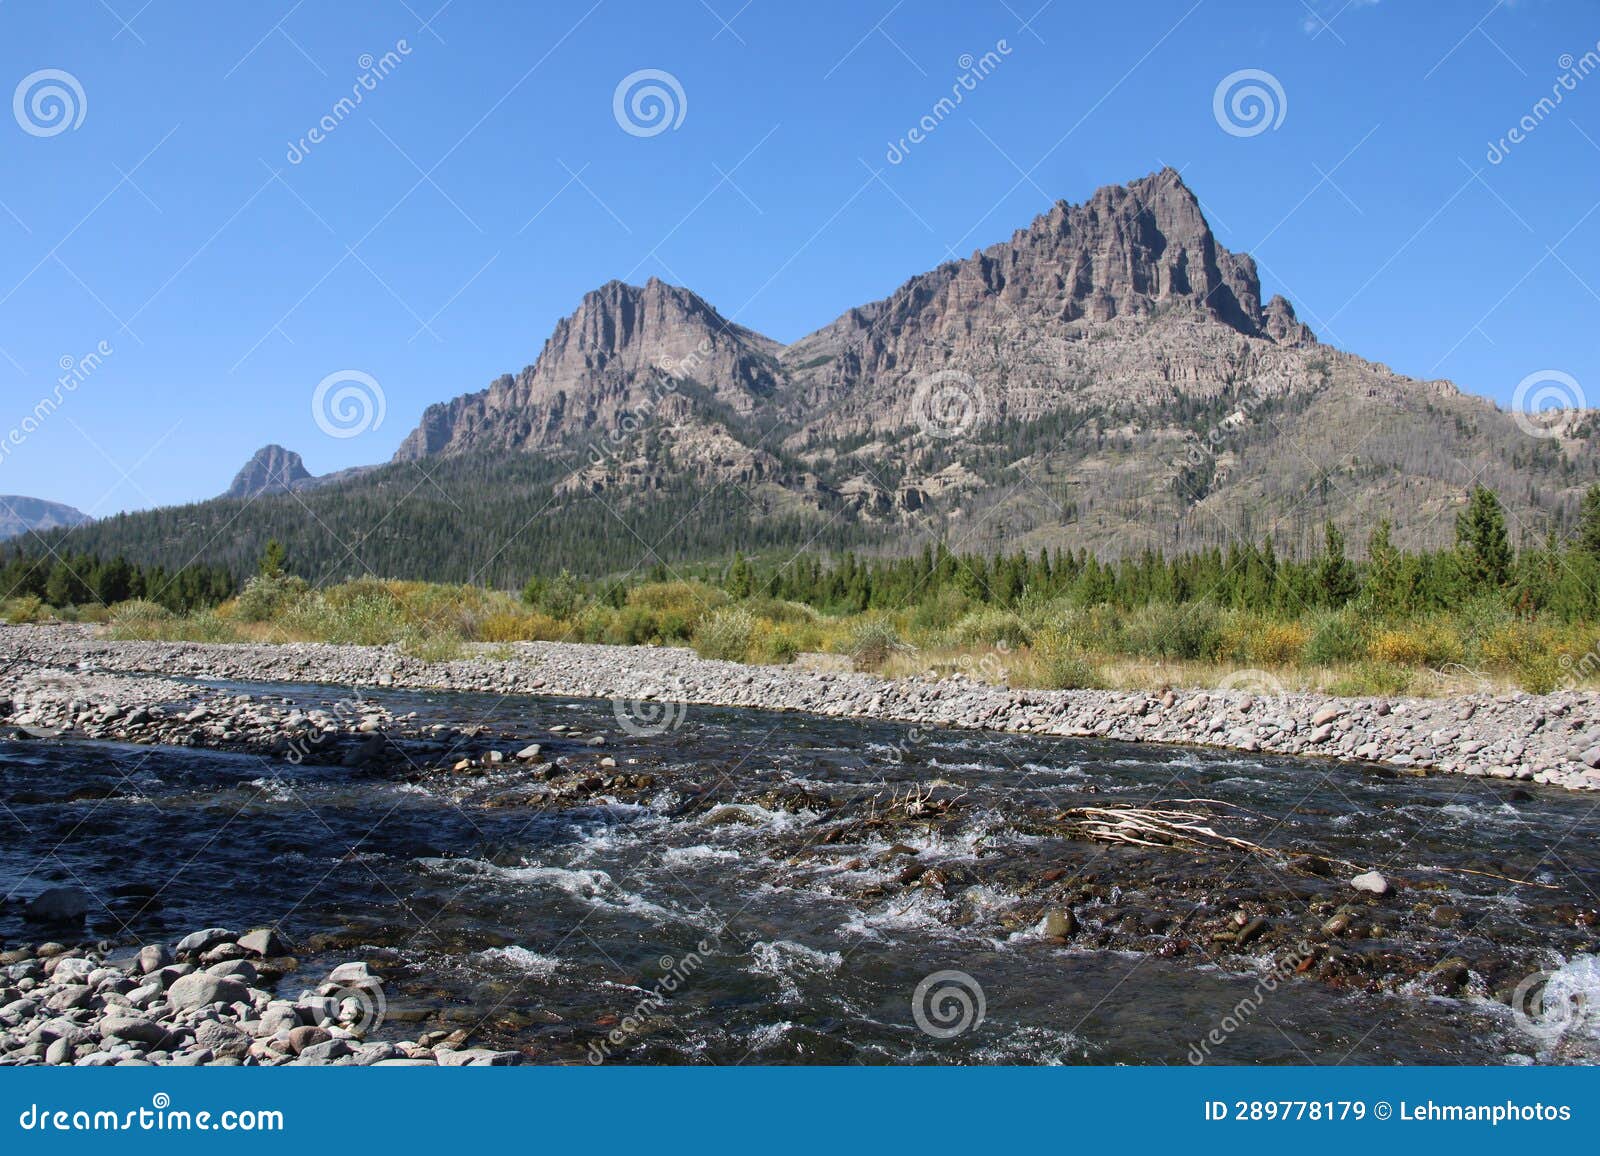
[{"x": 270, "y": 470}]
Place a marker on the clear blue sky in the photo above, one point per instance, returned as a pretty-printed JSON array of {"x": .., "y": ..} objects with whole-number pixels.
[{"x": 434, "y": 236}]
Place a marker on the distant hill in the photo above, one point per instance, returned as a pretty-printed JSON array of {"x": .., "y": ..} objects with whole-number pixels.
[
  {"x": 18, "y": 515},
  {"x": 1108, "y": 378}
]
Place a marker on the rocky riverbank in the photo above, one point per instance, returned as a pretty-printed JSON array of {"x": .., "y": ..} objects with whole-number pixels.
[
  {"x": 1552, "y": 739},
  {"x": 208, "y": 999}
]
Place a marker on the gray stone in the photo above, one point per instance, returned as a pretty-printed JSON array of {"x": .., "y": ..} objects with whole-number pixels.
[
  {"x": 137, "y": 1028},
  {"x": 72, "y": 969},
  {"x": 265, "y": 942},
  {"x": 153, "y": 957},
  {"x": 1371, "y": 882},
  {"x": 202, "y": 990},
  {"x": 326, "y": 1052},
  {"x": 62, "y": 1028},
  {"x": 240, "y": 969},
  {"x": 60, "y": 905},
  {"x": 223, "y": 1039},
  {"x": 352, "y": 975},
  {"x": 476, "y": 1058},
  {"x": 305, "y": 1037},
  {"x": 204, "y": 940}
]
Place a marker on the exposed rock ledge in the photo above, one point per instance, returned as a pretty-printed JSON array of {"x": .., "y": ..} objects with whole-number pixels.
[{"x": 1551, "y": 739}]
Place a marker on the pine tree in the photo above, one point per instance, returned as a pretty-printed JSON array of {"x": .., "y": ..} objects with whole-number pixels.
[
  {"x": 1483, "y": 550},
  {"x": 1336, "y": 576},
  {"x": 1589, "y": 523}
]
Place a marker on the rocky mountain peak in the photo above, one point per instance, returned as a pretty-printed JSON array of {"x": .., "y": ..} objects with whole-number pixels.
[
  {"x": 1135, "y": 267},
  {"x": 623, "y": 350},
  {"x": 22, "y": 515},
  {"x": 272, "y": 470}
]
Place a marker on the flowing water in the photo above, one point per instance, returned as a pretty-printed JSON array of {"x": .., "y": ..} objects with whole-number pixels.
[{"x": 753, "y": 902}]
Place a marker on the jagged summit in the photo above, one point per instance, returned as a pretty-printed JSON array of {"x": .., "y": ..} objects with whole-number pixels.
[
  {"x": 1108, "y": 377},
  {"x": 272, "y": 470},
  {"x": 1131, "y": 253},
  {"x": 612, "y": 355}
]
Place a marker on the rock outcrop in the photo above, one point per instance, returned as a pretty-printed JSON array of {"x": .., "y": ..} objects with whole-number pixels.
[
  {"x": 617, "y": 358},
  {"x": 19, "y": 515},
  {"x": 273, "y": 470}
]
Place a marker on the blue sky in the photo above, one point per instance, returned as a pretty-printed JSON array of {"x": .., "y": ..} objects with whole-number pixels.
[{"x": 434, "y": 235}]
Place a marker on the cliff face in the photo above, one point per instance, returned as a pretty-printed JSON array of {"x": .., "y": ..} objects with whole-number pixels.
[
  {"x": 621, "y": 352},
  {"x": 1128, "y": 297},
  {"x": 1136, "y": 267},
  {"x": 1109, "y": 376},
  {"x": 20, "y": 515},
  {"x": 273, "y": 470}
]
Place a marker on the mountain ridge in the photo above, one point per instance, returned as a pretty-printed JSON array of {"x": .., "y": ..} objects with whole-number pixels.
[
  {"x": 1109, "y": 378},
  {"x": 21, "y": 515}
]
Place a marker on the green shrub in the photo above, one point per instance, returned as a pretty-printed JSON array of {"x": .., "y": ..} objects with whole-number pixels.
[
  {"x": 140, "y": 621},
  {"x": 1540, "y": 672},
  {"x": 1337, "y": 637},
  {"x": 941, "y": 611},
  {"x": 1161, "y": 630},
  {"x": 726, "y": 634},
  {"x": 560, "y": 597},
  {"x": 872, "y": 642},
  {"x": 776, "y": 610},
  {"x": 266, "y": 596},
  {"x": 1058, "y": 663},
  {"x": 990, "y": 627},
  {"x": 17, "y": 611},
  {"x": 1372, "y": 678}
]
